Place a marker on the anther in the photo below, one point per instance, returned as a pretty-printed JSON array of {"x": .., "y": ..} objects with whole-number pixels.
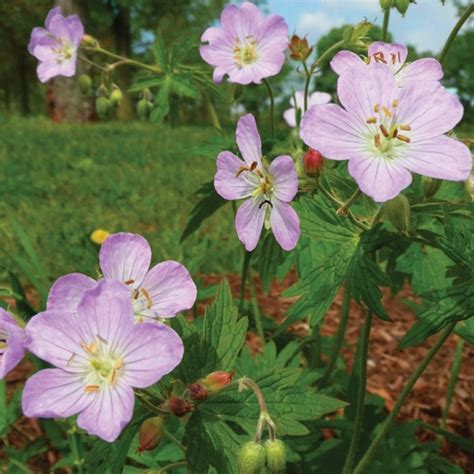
[
  {"x": 136, "y": 294},
  {"x": 129, "y": 282},
  {"x": 371, "y": 120},
  {"x": 395, "y": 133},
  {"x": 91, "y": 388},
  {"x": 403, "y": 138},
  {"x": 394, "y": 58},
  {"x": 241, "y": 170},
  {"x": 405, "y": 127},
  {"x": 265, "y": 202},
  {"x": 112, "y": 377},
  {"x": 384, "y": 131},
  {"x": 379, "y": 57},
  {"x": 377, "y": 140},
  {"x": 395, "y": 103},
  {"x": 387, "y": 112},
  {"x": 118, "y": 364},
  {"x": 376, "y": 108},
  {"x": 148, "y": 299}
]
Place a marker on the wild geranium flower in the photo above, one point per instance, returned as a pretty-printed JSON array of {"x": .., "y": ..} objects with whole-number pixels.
[
  {"x": 99, "y": 355},
  {"x": 247, "y": 47},
  {"x": 157, "y": 293},
  {"x": 56, "y": 45},
  {"x": 394, "y": 57},
  {"x": 316, "y": 98},
  {"x": 386, "y": 131},
  {"x": 268, "y": 191},
  {"x": 11, "y": 343}
]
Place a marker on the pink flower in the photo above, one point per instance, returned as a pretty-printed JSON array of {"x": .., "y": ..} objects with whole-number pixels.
[
  {"x": 316, "y": 98},
  {"x": 268, "y": 191},
  {"x": 159, "y": 292},
  {"x": 393, "y": 56},
  {"x": 99, "y": 357},
  {"x": 56, "y": 46},
  {"x": 11, "y": 343},
  {"x": 247, "y": 47},
  {"x": 386, "y": 132}
]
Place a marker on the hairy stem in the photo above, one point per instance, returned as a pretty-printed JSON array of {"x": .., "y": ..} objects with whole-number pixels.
[
  {"x": 360, "y": 406},
  {"x": 341, "y": 331},
  {"x": 244, "y": 274},
  {"x": 386, "y": 18},
  {"x": 124, "y": 60},
  {"x": 306, "y": 87},
  {"x": 325, "y": 55},
  {"x": 272, "y": 108},
  {"x": 462, "y": 19},
  {"x": 171, "y": 466},
  {"x": 76, "y": 449},
  {"x": 212, "y": 114},
  {"x": 342, "y": 211},
  {"x": 369, "y": 454},
  {"x": 256, "y": 311}
]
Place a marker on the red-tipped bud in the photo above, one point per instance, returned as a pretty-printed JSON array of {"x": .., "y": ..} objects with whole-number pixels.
[
  {"x": 89, "y": 42},
  {"x": 150, "y": 434},
  {"x": 313, "y": 163},
  {"x": 179, "y": 406},
  {"x": 299, "y": 48},
  {"x": 216, "y": 381},
  {"x": 198, "y": 392}
]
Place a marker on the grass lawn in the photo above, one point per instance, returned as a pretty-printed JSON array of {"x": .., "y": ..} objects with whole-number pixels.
[{"x": 60, "y": 182}]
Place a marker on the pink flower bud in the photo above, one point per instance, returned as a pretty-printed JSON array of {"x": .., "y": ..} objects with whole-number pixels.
[
  {"x": 150, "y": 434},
  {"x": 216, "y": 381},
  {"x": 179, "y": 406},
  {"x": 198, "y": 392},
  {"x": 313, "y": 163}
]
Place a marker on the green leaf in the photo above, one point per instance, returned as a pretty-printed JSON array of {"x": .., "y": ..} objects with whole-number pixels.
[
  {"x": 448, "y": 305},
  {"x": 181, "y": 49},
  {"x": 183, "y": 87},
  {"x": 466, "y": 330},
  {"x": 145, "y": 83},
  {"x": 159, "y": 52},
  {"x": 206, "y": 206},
  {"x": 162, "y": 102}
]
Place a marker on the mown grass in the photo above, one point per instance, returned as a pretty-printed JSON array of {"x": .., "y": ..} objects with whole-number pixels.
[{"x": 60, "y": 182}]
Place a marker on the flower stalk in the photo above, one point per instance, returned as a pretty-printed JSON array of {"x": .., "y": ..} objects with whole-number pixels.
[
  {"x": 342, "y": 211},
  {"x": 272, "y": 107},
  {"x": 386, "y": 19}
]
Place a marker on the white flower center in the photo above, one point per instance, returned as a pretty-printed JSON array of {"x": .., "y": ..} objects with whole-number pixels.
[
  {"x": 141, "y": 301},
  {"x": 63, "y": 50},
  {"x": 245, "y": 52}
]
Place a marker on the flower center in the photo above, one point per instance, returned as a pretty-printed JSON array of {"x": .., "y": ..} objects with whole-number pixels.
[
  {"x": 3, "y": 343},
  {"x": 245, "y": 52},
  {"x": 63, "y": 50}
]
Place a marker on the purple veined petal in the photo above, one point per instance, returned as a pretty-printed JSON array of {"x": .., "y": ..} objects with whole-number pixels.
[
  {"x": 248, "y": 140},
  {"x": 290, "y": 117},
  {"x": 55, "y": 337},
  {"x": 429, "y": 109},
  {"x": 268, "y": 65},
  {"x": 106, "y": 313},
  {"x": 427, "y": 69},
  {"x": 344, "y": 60},
  {"x": 67, "y": 291},
  {"x": 333, "y": 132},
  {"x": 391, "y": 54},
  {"x": 58, "y": 26},
  {"x": 39, "y": 36},
  {"x": 285, "y": 178},
  {"x": 380, "y": 178},
  {"x": 249, "y": 221},
  {"x": 47, "y": 70},
  {"x": 272, "y": 34},
  {"x": 108, "y": 412},
  {"x": 51, "y": 14},
  {"x": 361, "y": 90},
  {"x": 13, "y": 337},
  {"x": 285, "y": 224},
  {"x": 169, "y": 290},
  {"x": 125, "y": 257},
  {"x": 441, "y": 157},
  {"x": 154, "y": 351},
  {"x": 247, "y": 20},
  {"x": 76, "y": 29},
  {"x": 227, "y": 183},
  {"x": 54, "y": 393},
  {"x": 319, "y": 98}
]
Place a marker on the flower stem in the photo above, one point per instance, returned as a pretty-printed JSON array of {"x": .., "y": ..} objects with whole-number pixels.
[
  {"x": 326, "y": 54},
  {"x": 341, "y": 331},
  {"x": 272, "y": 108},
  {"x": 124, "y": 60},
  {"x": 369, "y": 454},
  {"x": 342, "y": 211},
  {"x": 244, "y": 274},
  {"x": 146, "y": 403},
  {"x": 168, "y": 467},
  {"x": 212, "y": 114},
  {"x": 76, "y": 449},
  {"x": 386, "y": 18},
  {"x": 256, "y": 311},
  {"x": 306, "y": 87},
  {"x": 174, "y": 440},
  {"x": 376, "y": 218},
  {"x": 360, "y": 407},
  {"x": 462, "y": 19}
]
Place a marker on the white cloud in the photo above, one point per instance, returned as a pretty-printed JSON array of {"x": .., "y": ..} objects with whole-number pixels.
[{"x": 317, "y": 23}]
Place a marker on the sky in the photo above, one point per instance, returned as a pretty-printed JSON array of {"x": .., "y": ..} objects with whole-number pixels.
[{"x": 425, "y": 26}]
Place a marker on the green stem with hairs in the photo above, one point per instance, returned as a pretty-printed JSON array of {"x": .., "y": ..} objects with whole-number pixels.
[
  {"x": 256, "y": 311},
  {"x": 306, "y": 87},
  {"x": 325, "y": 55},
  {"x": 76, "y": 449},
  {"x": 342, "y": 211},
  {"x": 168, "y": 467},
  {"x": 370, "y": 453},
  {"x": 244, "y": 274},
  {"x": 272, "y": 108},
  {"x": 386, "y": 18},
  {"x": 360, "y": 406},
  {"x": 462, "y": 19},
  {"x": 124, "y": 60}
]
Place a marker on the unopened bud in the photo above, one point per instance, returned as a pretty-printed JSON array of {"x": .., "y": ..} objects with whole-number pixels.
[
  {"x": 216, "y": 381},
  {"x": 98, "y": 236},
  {"x": 103, "y": 106},
  {"x": 313, "y": 163},
  {"x": 275, "y": 453},
  {"x": 299, "y": 48},
  {"x": 89, "y": 42},
  {"x": 85, "y": 83},
  {"x": 397, "y": 211},
  {"x": 430, "y": 186},
  {"x": 386, "y": 4},
  {"x": 143, "y": 108},
  {"x": 251, "y": 459},
  {"x": 198, "y": 392},
  {"x": 116, "y": 96},
  {"x": 179, "y": 406},
  {"x": 150, "y": 434},
  {"x": 402, "y": 6}
]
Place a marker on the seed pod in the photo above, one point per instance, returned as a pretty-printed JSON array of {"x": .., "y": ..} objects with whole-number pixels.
[
  {"x": 386, "y": 4},
  {"x": 103, "y": 106},
  {"x": 402, "y": 6},
  {"x": 143, "y": 108},
  {"x": 85, "y": 83},
  {"x": 275, "y": 453},
  {"x": 313, "y": 163},
  {"x": 116, "y": 96},
  {"x": 198, "y": 392},
  {"x": 251, "y": 459},
  {"x": 299, "y": 48},
  {"x": 430, "y": 186},
  {"x": 150, "y": 434},
  {"x": 397, "y": 211},
  {"x": 179, "y": 406}
]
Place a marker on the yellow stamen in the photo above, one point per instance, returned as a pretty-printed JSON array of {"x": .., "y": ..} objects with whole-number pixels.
[
  {"x": 405, "y": 127},
  {"x": 371, "y": 120},
  {"x": 112, "y": 377},
  {"x": 91, "y": 388},
  {"x": 149, "y": 301},
  {"x": 387, "y": 112},
  {"x": 395, "y": 133},
  {"x": 403, "y": 138},
  {"x": 377, "y": 140},
  {"x": 379, "y": 57},
  {"x": 118, "y": 364},
  {"x": 376, "y": 108},
  {"x": 384, "y": 131},
  {"x": 395, "y": 103}
]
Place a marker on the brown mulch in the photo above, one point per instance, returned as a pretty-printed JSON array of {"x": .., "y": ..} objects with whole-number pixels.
[{"x": 388, "y": 369}]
